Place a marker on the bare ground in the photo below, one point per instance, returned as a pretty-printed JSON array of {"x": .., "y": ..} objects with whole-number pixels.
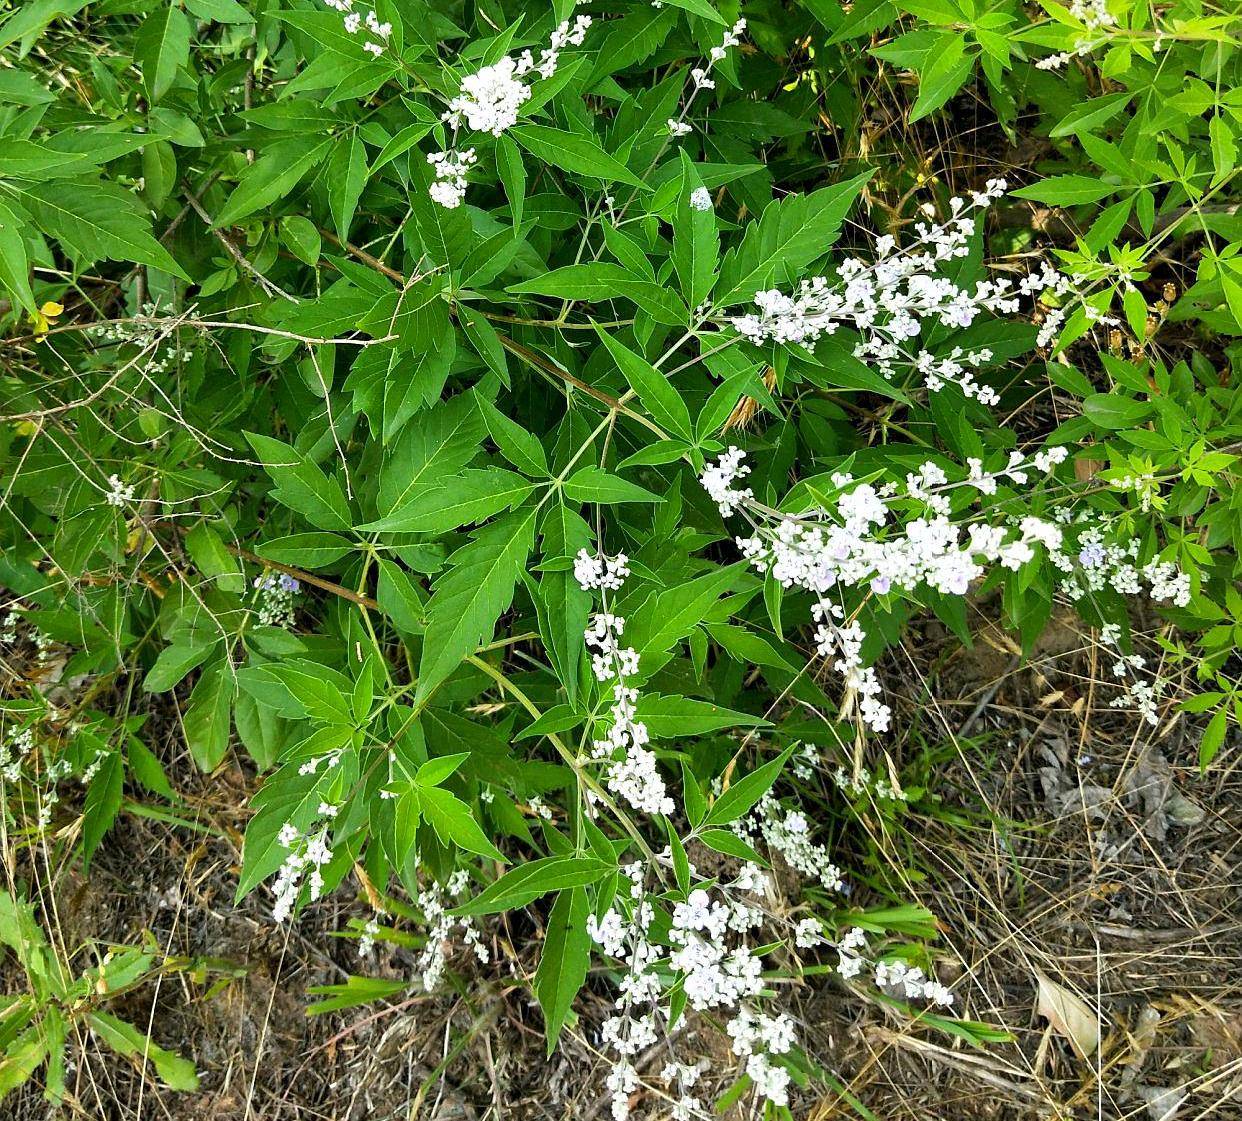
[{"x": 1072, "y": 842}]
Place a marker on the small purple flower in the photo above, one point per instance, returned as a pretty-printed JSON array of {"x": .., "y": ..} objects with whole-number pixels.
[{"x": 1092, "y": 556}]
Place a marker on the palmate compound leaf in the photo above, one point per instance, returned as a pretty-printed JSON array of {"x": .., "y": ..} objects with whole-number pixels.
[{"x": 472, "y": 594}]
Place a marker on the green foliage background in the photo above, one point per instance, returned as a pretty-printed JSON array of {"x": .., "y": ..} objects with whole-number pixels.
[{"x": 226, "y": 286}]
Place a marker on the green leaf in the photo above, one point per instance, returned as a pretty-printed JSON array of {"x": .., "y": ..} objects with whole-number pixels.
[
  {"x": 161, "y": 48},
  {"x": 1109, "y": 410},
  {"x": 403, "y": 601},
  {"x": 301, "y": 485},
  {"x": 654, "y": 390},
  {"x": 516, "y": 444},
  {"x": 790, "y": 234},
  {"x": 213, "y": 559},
  {"x": 564, "y": 962},
  {"x": 453, "y": 822},
  {"x": 301, "y": 238},
  {"x": 1066, "y": 190},
  {"x": 573, "y": 151},
  {"x": 281, "y": 167},
  {"x": 468, "y": 599},
  {"x": 1090, "y": 114},
  {"x": 473, "y": 496},
  {"x": 562, "y": 605},
  {"x": 528, "y": 882},
  {"x": 14, "y": 265},
  {"x": 696, "y": 241},
  {"x": 173, "y": 663},
  {"x": 208, "y": 716},
  {"x": 146, "y": 768},
  {"x": 602, "y": 281},
  {"x": 594, "y": 484},
  {"x": 948, "y": 69},
  {"x": 95, "y": 221},
  {"x": 306, "y": 550},
  {"x": 438, "y": 442},
  {"x": 346, "y": 172},
  {"x": 738, "y": 799},
  {"x": 221, "y": 11},
  {"x": 668, "y": 717},
  {"x": 103, "y": 800},
  {"x": 512, "y": 174},
  {"x": 1224, "y": 149},
  {"x": 729, "y": 843},
  {"x": 125, "y": 1039},
  {"x": 355, "y": 991},
  {"x": 672, "y": 614},
  {"x": 1213, "y": 739},
  {"x": 299, "y": 688}
]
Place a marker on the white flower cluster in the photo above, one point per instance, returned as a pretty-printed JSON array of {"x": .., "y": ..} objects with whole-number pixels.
[
  {"x": 366, "y": 940},
  {"x": 718, "y": 480},
  {"x": 895, "y": 977},
  {"x": 537, "y": 807},
  {"x": 307, "y": 851},
  {"x": 702, "y": 74},
  {"x": 684, "y": 1077},
  {"x": 1144, "y": 485},
  {"x": 604, "y": 573},
  {"x": 789, "y": 833},
  {"x": 889, "y": 301},
  {"x": 489, "y": 101},
  {"x": 355, "y": 22},
  {"x": 275, "y": 599},
  {"x": 149, "y": 330},
  {"x": 700, "y": 199},
  {"x": 808, "y": 933},
  {"x": 863, "y": 542},
  {"x": 1100, "y": 564},
  {"x": 860, "y": 781},
  {"x": 93, "y": 767},
  {"x": 678, "y": 126},
  {"x": 13, "y": 749},
  {"x": 1142, "y": 696},
  {"x": 120, "y": 494},
  {"x": 451, "y": 169},
  {"x": 630, "y": 769},
  {"x": 1094, "y": 16},
  {"x": 716, "y": 969},
  {"x": 433, "y": 901},
  {"x": 18, "y": 746}
]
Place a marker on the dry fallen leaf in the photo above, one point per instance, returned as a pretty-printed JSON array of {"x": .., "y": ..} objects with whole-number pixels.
[{"x": 1069, "y": 1015}]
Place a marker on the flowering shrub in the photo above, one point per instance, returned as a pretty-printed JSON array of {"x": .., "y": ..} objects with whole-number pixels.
[{"x": 489, "y": 423}]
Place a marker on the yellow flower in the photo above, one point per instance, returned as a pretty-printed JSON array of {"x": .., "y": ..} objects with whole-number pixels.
[{"x": 43, "y": 319}]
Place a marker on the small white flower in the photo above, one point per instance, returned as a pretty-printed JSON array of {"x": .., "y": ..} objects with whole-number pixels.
[{"x": 121, "y": 493}]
